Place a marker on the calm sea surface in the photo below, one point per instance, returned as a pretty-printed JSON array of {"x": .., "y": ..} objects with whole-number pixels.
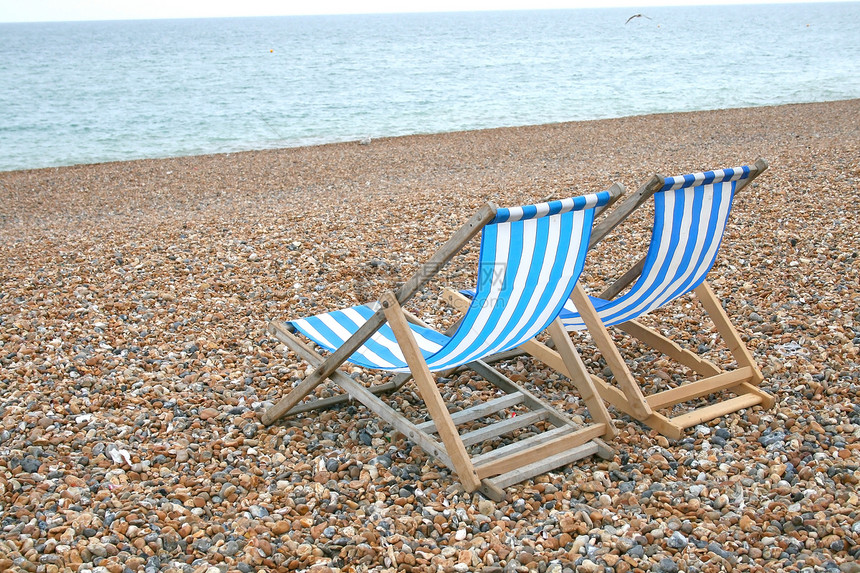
[{"x": 88, "y": 92}]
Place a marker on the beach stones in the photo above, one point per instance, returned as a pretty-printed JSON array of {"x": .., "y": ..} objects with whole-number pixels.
[{"x": 134, "y": 363}]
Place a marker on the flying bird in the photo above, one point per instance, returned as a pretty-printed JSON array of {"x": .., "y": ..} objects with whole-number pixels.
[{"x": 636, "y": 16}]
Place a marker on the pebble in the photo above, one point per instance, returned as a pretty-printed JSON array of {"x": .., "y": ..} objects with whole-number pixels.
[
  {"x": 677, "y": 541},
  {"x": 135, "y": 362}
]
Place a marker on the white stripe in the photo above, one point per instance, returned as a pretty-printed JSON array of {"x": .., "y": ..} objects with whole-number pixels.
[
  {"x": 377, "y": 336},
  {"x": 550, "y": 247},
  {"x": 503, "y": 243},
  {"x": 677, "y": 253},
  {"x": 339, "y": 330},
  {"x": 514, "y": 214},
  {"x": 570, "y": 263}
]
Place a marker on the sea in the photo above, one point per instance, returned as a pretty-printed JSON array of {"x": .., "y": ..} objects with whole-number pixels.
[{"x": 90, "y": 92}]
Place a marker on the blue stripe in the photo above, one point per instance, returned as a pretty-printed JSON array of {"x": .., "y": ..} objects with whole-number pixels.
[
  {"x": 529, "y": 211},
  {"x": 502, "y": 215},
  {"x": 533, "y": 288}
]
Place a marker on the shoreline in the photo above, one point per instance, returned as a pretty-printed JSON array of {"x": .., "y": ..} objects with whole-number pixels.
[
  {"x": 429, "y": 134},
  {"x": 134, "y": 361}
]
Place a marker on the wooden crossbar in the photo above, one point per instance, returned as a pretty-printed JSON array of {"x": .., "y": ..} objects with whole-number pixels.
[
  {"x": 717, "y": 410},
  {"x": 478, "y": 411},
  {"x": 699, "y": 388},
  {"x": 501, "y": 452},
  {"x": 538, "y": 447},
  {"x": 502, "y": 427},
  {"x": 544, "y": 465}
]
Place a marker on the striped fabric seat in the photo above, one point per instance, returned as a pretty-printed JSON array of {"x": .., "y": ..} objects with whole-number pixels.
[
  {"x": 530, "y": 260},
  {"x": 690, "y": 216}
]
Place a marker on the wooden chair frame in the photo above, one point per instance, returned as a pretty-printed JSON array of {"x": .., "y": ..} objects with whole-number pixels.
[
  {"x": 627, "y": 396},
  {"x": 489, "y": 472}
]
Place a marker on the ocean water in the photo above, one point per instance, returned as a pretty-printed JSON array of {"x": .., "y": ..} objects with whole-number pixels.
[{"x": 86, "y": 92}]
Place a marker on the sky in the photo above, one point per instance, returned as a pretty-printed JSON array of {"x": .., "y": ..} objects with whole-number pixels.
[{"x": 61, "y": 10}]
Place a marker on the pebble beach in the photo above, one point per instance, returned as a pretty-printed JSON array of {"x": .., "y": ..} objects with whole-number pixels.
[{"x": 135, "y": 362}]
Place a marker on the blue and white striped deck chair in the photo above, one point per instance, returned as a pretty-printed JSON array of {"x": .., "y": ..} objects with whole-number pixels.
[
  {"x": 690, "y": 217},
  {"x": 530, "y": 260}
]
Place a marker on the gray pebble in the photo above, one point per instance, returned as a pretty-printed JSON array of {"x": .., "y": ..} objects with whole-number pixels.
[{"x": 677, "y": 541}]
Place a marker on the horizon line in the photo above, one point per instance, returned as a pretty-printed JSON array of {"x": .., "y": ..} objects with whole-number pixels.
[{"x": 472, "y": 10}]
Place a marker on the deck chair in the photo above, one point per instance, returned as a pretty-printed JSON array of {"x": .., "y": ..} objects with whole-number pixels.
[
  {"x": 530, "y": 260},
  {"x": 690, "y": 217}
]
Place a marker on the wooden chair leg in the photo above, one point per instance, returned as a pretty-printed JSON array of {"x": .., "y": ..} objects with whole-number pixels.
[
  {"x": 739, "y": 350},
  {"x": 580, "y": 377},
  {"x": 726, "y": 329},
  {"x": 636, "y": 400},
  {"x": 430, "y": 393}
]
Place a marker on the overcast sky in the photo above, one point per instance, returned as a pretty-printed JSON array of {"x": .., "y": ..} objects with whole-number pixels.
[{"x": 59, "y": 10}]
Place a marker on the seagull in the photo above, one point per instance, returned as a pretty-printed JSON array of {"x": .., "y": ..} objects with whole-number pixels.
[{"x": 636, "y": 16}]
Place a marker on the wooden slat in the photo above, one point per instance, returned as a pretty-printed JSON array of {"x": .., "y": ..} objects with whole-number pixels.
[
  {"x": 430, "y": 393},
  {"x": 767, "y": 401},
  {"x": 555, "y": 416},
  {"x": 537, "y": 448},
  {"x": 373, "y": 403},
  {"x": 545, "y": 465},
  {"x": 429, "y": 269},
  {"x": 554, "y": 360},
  {"x": 478, "y": 411},
  {"x": 501, "y": 452},
  {"x": 669, "y": 347},
  {"x": 717, "y": 410},
  {"x": 502, "y": 427},
  {"x": 699, "y": 388},
  {"x": 529, "y": 399}
]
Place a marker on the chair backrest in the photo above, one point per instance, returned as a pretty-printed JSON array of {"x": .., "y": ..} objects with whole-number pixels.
[
  {"x": 690, "y": 216},
  {"x": 531, "y": 258}
]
